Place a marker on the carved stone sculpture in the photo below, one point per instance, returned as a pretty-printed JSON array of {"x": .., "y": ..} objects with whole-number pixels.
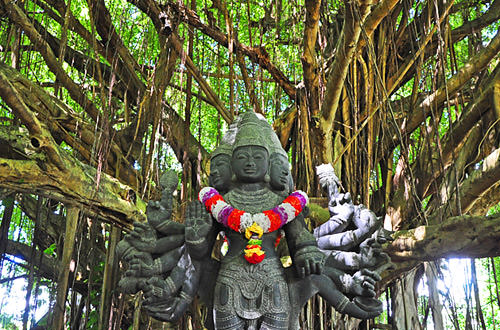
[{"x": 251, "y": 200}]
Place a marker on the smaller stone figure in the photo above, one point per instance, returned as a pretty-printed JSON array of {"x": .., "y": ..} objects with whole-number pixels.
[
  {"x": 220, "y": 168},
  {"x": 159, "y": 264},
  {"x": 280, "y": 177},
  {"x": 139, "y": 245},
  {"x": 352, "y": 239}
]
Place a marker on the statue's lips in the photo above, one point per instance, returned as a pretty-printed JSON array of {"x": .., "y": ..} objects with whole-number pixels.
[{"x": 250, "y": 171}]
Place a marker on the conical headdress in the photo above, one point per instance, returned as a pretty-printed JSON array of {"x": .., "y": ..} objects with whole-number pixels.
[{"x": 251, "y": 131}]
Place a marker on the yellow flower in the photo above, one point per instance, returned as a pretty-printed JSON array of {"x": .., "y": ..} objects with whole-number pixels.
[
  {"x": 256, "y": 251},
  {"x": 254, "y": 229}
]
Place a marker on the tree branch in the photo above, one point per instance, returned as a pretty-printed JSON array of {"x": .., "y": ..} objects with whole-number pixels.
[
  {"x": 451, "y": 86},
  {"x": 48, "y": 267},
  {"x": 480, "y": 182},
  {"x": 256, "y": 54},
  {"x": 110, "y": 37},
  {"x": 40, "y": 137},
  {"x": 478, "y": 237},
  {"x": 353, "y": 20},
  {"x": 75, "y": 91},
  {"x": 309, "y": 63},
  {"x": 60, "y": 120},
  {"x": 112, "y": 200},
  {"x": 381, "y": 10},
  {"x": 205, "y": 87}
]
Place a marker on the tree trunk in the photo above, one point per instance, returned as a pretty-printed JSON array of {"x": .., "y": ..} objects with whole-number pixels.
[
  {"x": 72, "y": 216},
  {"x": 404, "y": 301},
  {"x": 109, "y": 280},
  {"x": 435, "y": 304}
]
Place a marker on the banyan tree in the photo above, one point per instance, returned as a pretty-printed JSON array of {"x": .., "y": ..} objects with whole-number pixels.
[{"x": 99, "y": 98}]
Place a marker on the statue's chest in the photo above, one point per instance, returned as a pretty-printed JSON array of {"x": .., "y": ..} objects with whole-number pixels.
[{"x": 253, "y": 201}]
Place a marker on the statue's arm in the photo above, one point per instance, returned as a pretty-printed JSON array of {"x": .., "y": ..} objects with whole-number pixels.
[
  {"x": 167, "y": 243},
  {"x": 159, "y": 266},
  {"x": 306, "y": 256},
  {"x": 168, "y": 299},
  {"x": 366, "y": 224},
  {"x": 170, "y": 227}
]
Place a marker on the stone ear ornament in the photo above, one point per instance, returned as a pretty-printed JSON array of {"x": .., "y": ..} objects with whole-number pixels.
[
  {"x": 233, "y": 178},
  {"x": 267, "y": 178}
]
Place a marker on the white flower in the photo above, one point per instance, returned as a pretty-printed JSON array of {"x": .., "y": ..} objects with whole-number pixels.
[
  {"x": 290, "y": 211},
  {"x": 219, "y": 206},
  {"x": 203, "y": 192},
  {"x": 246, "y": 221},
  {"x": 304, "y": 195},
  {"x": 262, "y": 220}
]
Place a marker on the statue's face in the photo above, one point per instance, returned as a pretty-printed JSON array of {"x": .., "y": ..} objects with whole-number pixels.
[
  {"x": 250, "y": 163},
  {"x": 220, "y": 172},
  {"x": 280, "y": 172}
]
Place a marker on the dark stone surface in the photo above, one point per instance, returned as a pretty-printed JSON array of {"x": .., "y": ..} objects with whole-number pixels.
[{"x": 172, "y": 262}]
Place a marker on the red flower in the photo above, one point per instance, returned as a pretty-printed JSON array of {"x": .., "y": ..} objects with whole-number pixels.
[
  {"x": 295, "y": 202},
  {"x": 233, "y": 221},
  {"x": 212, "y": 201},
  {"x": 274, "y": 218},
  {"x": 277, "y": 242},
  {"x": 255, "y": 259}
]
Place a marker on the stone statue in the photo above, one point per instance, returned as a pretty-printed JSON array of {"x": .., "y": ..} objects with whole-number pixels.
[{"x": 251, "y": 201}]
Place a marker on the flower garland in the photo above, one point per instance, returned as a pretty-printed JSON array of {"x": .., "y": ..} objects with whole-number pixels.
[{"x": 253, "y": 225}]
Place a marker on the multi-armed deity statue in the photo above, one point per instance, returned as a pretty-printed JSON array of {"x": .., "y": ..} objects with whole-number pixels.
[{"x": 251, "y": 203}]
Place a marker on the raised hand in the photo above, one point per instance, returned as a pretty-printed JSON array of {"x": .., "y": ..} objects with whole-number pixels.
[
  {"x": 366, "y": 220},
  {"x": 341, "y": 206},
  {"x": 198, "y": 226},
  {"x": 341, "y": 210}
]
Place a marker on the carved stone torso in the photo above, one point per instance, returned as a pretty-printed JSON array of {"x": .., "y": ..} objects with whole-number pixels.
[{"x": 251, "y": 290}]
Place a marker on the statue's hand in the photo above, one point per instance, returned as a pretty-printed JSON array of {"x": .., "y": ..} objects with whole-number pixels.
[
  {"x": 156, "y": 289},
  {"x": 138, "y": 268},
  {"x": 160, "y": 289},
  {"x": 157, "y": 213},
  {"x": 362, "y": 283},
  {"x": 308, "y": 260},
  {"x": 143, "y": 237},
  {"x": 341, "y": 207},
  {"x": 366, "y": 220},
  {"x": 371, "y": 254},
  {"x": 198, "y": 226}
]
